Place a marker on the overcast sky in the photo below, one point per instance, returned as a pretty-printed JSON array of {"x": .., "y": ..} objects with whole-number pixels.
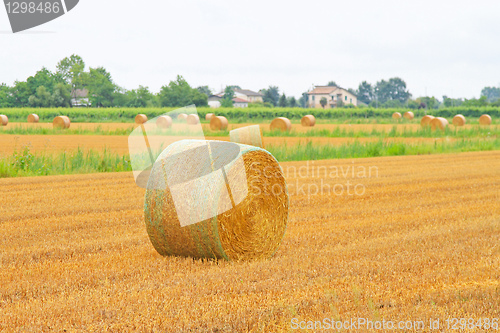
[{"x": 440, "y": 47}]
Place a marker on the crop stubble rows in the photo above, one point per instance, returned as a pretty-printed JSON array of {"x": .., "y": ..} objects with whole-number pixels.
[{"x": 422, "y": 242}]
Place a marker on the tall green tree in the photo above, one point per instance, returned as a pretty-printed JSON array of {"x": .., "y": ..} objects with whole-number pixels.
[
  {"x": 205, "y": 90},
  {"x": 332, "y": 84},
  {"x": 72, "y": 71},
  {"x": 394, "y": 89},
  {"x": 6, "y": 97},
  {"x": 303, "y": 100},
  {"x": 292, "y": 102},
  {"x": 61, "y": 97},
  {"x": 365, "y": 92},
  {"x": 492, "y": 94},
  {"x": 271, "y": 95},
  {"x": 41, "y": 98},
  {"x": 323, "y": 101},
  {"x": 227, "y": 100},
  {"x": 283, "y": 103},
  {"x": 179, "y": 93},
  {"x": 21, "y": 93},
  {"x": 100, "y": 86}
]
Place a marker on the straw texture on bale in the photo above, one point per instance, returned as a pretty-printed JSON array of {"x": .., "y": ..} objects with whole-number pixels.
[
  {"x": 218, "y": 123},
  {"x": 193, "y": 119},
  {"x": 253, "y": 229},
  {"x": 409, "y": 115},
  {"x": 209, "y": 116},
  {"x": 426, "y": 121},
  {"x": 164, "y": 122},
  {"x": 439, "y": 123},
  {"x": 182, "y": 116},
  {"x": 308, "y": 121},
  {"x": 281, "y": 124},
  {"x": 141, "y": 119},
  {"x": 249, "y": 135},
  {"x": 396, "y": 115},
  {"x": 4, "y": 120},
  {"x": 62, "y": 122},
  {"x": 33, "y": 118},
  {"x": 485, "y": 120},
  {"x": 458, "y": 120}
]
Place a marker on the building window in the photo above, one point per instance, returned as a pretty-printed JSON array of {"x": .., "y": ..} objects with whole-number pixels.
[
  {"x": 346, "y": 98},
  {"x": 351, "y": 100},
  {"x": 313, "y": 97},
  {"x": 333, "y": 98}
]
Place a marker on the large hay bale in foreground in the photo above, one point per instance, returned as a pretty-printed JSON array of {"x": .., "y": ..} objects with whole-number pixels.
[
  {"x": 164, "y": 122},
  {"x": 61, "y": 122},
  {"x": 33, "y": 118},
  {"x": 209, "y": 116},
  {"x": 458, "y": 120},
  {"x": 251, "y": 229},
  {"x": 396, "y": 115},
  {"x": 141, "y": 119},
  {"x": 249, "y": 135},
  {"x": 409, "y": 115},
  {"x": 193, "y": 119},
  {"x": 281, "y": 124},
  {"x": 218, "y": 123},
  {"x": 439, "y": 123},
  {"x": 308, "y": 121},
  {"x": 4, "y": 120},
  {"x": 182, "y": 116},
  {"x": 426, "y": 121},
  {"x": 485, "y": 120}
]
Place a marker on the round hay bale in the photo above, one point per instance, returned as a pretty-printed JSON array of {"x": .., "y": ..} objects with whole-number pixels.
[
  {"x": 193, "y": 119},
  {"x": 485, "y": 120},
  {"x": 33, "y": 118},
  {"x": 61, "y": 122},
  {"x": 409, "y": 115},
  {"x": 249, "y": 135},
  {"x": 281, "y": 124},
  {"x": 218, "y": 123},
  {"x": 396, "y": 115},
  {"x": 458, "y": 120},
  {"x": 4, "y": 120},
  {"x": 426, "y": 121},
  {"x": 438, "y": 123},
  {"x": 164, "y": 122},
  {"x": 251, "y": 229},
  {"x": 141, "y": 118},
  {"x": 308, "y": 121},
  {"x": 209, "y": 116},
  {"x": 182, "y": 116}
]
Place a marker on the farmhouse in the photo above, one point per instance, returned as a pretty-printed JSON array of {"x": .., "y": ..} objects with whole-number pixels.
[
  {"x": 80, "y": 97},
  {"x": 335, "y": 96},
  {"x": 241, "y": 98}
]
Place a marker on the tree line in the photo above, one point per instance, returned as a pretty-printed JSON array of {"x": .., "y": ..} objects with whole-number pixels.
[{"x": 59, "y": 88}]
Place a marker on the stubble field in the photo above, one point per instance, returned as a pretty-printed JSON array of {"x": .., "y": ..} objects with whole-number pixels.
[{"x": 410, "y": 238}]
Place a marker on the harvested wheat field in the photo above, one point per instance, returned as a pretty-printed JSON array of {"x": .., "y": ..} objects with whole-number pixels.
[
  {"x": 409, "y": 238},
  {"x": 119, "y": 143}
]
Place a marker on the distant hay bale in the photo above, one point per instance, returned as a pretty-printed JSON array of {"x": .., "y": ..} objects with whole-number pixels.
[
  {"x": 193, "y": 119},
  {"x": 209, "y": 116},
  {"x": 281, "y": 124},
  {"x": 249, "y": 135},
  {"x": 308, "y": 121},
  {"x": 141, "y": 119},
  {"x": 196, "y": 221},
  {"x": 4, "y": 120},
  {"x": 61, "y": 122},
  {"x": 182, "y": 116},
  {"x": 396, "y": 115},
  {"x": 485, "y": 120},
  {"x": 409, "y": 115},
  {"x": 458, "y": 120},
  {"x": 164, "y": 122},
  {"x": 218, "y": 123},
  {"x": 439, "y": 123},
  {"x": 33, "y": 118},
  {"x": 426, "y": 121}
]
